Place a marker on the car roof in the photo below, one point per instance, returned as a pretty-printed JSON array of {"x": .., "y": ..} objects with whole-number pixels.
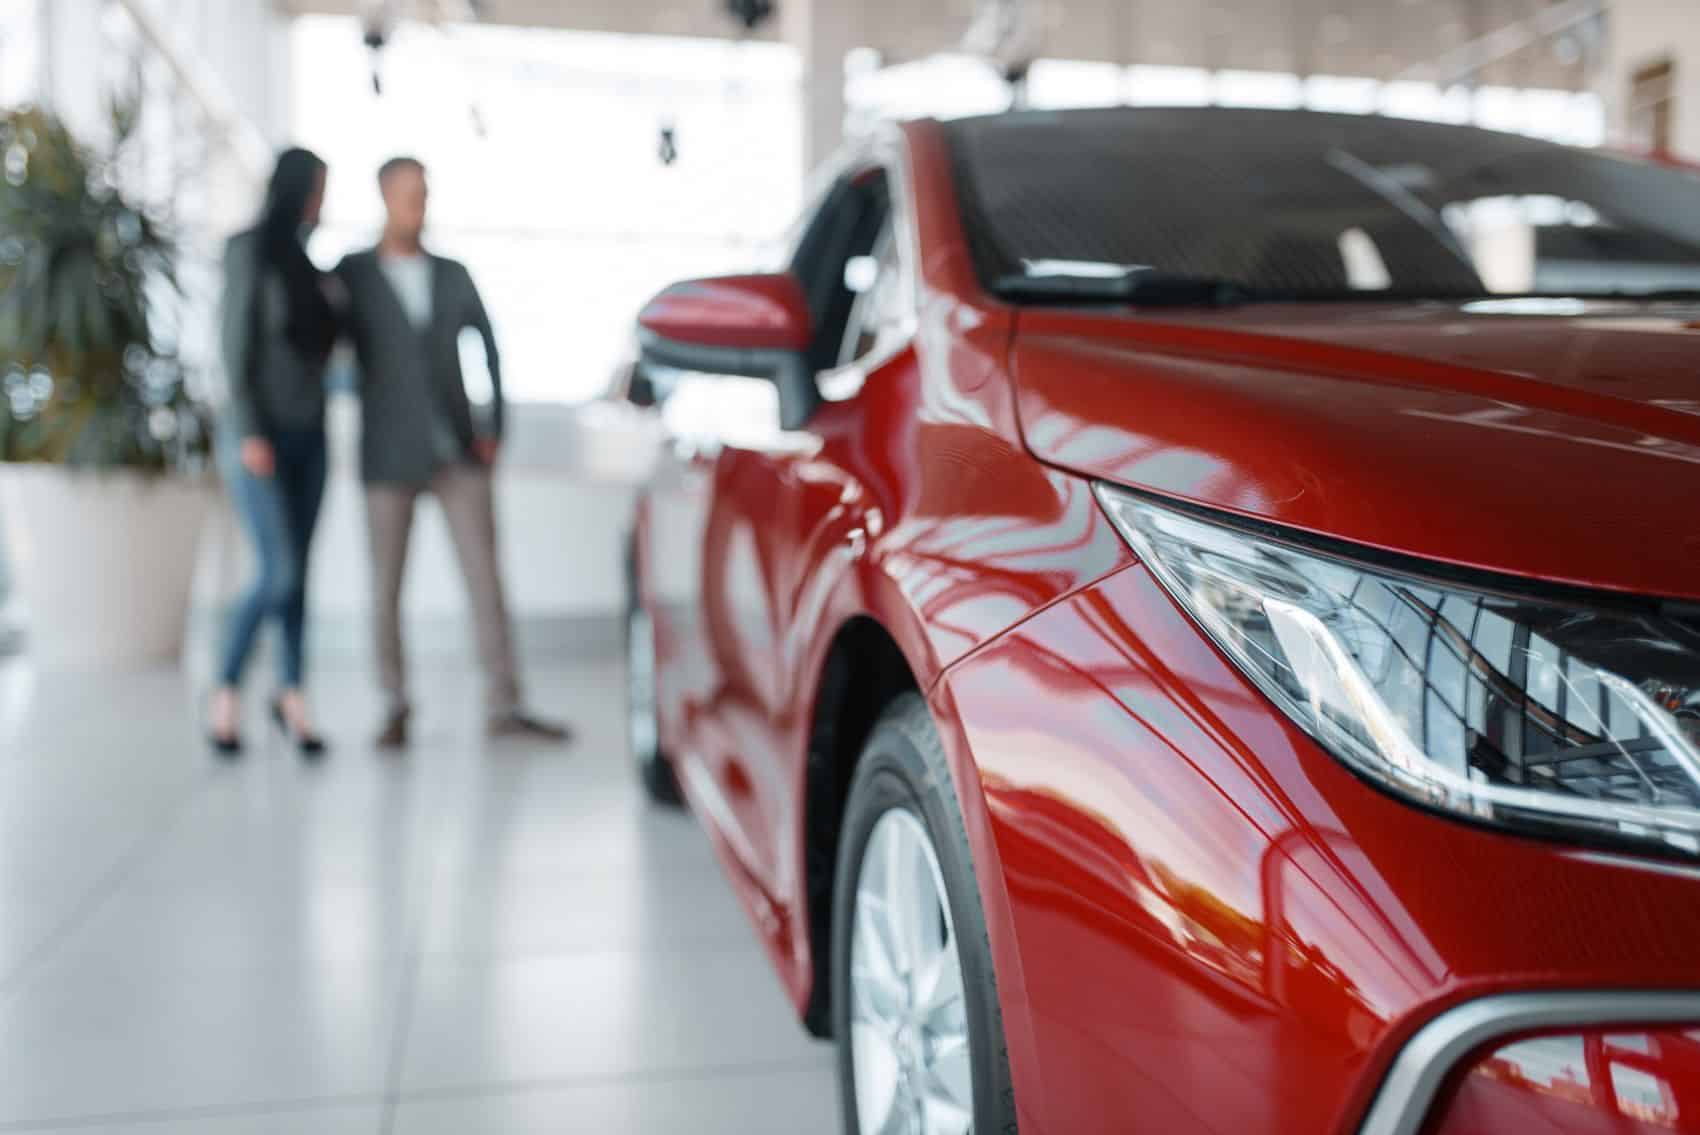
[{"x": 1262, "y": 126}]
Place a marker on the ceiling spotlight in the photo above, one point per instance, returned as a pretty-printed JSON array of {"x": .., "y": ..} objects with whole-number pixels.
[
  {"x": 377, "y": 22},
  {"x": 1007, "y": 34},
  {"x": 751, "y": 14}
]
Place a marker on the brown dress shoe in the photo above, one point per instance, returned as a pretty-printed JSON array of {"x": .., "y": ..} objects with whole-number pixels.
[
  {"x": 394, "y": 734},
  {"x": 519, "y": 725}
]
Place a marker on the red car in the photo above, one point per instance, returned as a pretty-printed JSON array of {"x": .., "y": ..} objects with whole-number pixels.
[{"x": 1196, "y": 626}]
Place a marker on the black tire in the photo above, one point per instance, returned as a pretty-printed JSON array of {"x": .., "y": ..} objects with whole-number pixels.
[
  {"x": 654, "y": 768},
  {"x": 903, "y": 766}
]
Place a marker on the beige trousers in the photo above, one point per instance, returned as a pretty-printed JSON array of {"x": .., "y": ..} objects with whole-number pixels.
[{"x": 468, "y": 503}]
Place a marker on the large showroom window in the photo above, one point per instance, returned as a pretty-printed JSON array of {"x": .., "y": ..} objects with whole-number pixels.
[
  {"x": 547, "y": 176},
  {"x": 20, "y": 52},
  {"x": 545, "y": 150},
  {"x": 951, "y": 85}
]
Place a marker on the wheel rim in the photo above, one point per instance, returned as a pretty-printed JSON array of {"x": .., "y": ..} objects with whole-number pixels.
[
  {"x": 909, "y": 1052},
  {"x": 640, "y": 686}
]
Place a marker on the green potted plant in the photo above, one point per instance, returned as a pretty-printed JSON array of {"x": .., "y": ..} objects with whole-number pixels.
[{"x": 101, "y": 446}]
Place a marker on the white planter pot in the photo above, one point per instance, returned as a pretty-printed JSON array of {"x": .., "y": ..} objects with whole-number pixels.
[{"x": 103, "y": 562}]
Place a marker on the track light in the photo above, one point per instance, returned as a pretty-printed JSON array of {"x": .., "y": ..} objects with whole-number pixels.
[{"x": 751, "y": 14}]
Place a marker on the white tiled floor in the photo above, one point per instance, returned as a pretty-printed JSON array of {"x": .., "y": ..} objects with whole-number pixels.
[{"x": 470, "y": 938}]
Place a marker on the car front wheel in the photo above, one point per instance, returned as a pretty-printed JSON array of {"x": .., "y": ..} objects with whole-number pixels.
[
  {"x": 643, "y": 734},
  {"x": 915, "y": 1006}
]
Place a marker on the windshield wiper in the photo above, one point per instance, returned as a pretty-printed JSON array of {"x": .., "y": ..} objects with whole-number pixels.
[
  {"x": 1651, "y": 294},
  {"x": 1142, "y": 286}
]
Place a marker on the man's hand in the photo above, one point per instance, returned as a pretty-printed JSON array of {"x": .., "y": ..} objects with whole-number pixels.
[
  {"x": 258, "y": 457},
  {"x": 487, "y": 449}
]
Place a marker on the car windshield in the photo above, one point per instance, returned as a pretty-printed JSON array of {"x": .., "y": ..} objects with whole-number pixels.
[{"x": 1300, "y": 205}]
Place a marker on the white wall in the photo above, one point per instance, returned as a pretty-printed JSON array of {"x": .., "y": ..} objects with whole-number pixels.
[
  {"x": 69, "y": 77},
  {"x": 22, "y": 41},
  {"x": 1645, "y": 31},
  {"x": 246, "y": 44}
]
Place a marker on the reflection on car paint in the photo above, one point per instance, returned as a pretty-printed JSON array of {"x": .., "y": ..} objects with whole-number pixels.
[
  {"x": 1236, "y": 908},
  {"x": 1631, "y": 1083}
]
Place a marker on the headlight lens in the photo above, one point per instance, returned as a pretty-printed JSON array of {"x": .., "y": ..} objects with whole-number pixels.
[{"x": 1518, "y": 710}]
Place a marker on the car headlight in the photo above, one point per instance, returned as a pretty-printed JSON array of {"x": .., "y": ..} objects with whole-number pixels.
[{"x": 1574, "y": 719}]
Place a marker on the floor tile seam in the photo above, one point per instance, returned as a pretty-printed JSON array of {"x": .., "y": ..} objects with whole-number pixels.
[
  {"x": 539, "y": 876},
  {"x": 178, "y": 970},
  {"x": 167, "y": 817},
  {"x": 487, "y": 1090},
  {"x": 418, "y": 926},
  {"x": 446, "y": 959},
  {"x": 649, "y": 1077},
  {"x": 210, "y": 1111}
]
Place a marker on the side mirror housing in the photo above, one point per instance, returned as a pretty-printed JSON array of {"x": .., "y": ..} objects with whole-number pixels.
[{"x": 756, "y": 326}]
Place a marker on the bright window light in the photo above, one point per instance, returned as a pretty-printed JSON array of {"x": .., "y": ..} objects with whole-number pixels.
[
  {"x": 1055, "y": 84},
  {"x": 940, "y": 86},
  {"x": 1341, "y": 94},
  {"x": 1277, "y": 89},
  {"x": 543, "y": 148},
  {"x": 1587, "y": 119},
  {"x": 20, "y": 53},
  {"x": 1426, "y": 102},
  {"x": 1366, "y": 271},
  {"x": 1501, "y": 108},
  {"x": 1168, "y": 86}
]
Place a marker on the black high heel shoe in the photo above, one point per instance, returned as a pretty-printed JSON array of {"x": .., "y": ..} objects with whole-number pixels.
[
  {"x": 229, "y": 746},
  {"x": 310, "y": 744},
  {"x": 226, "y": 745}
]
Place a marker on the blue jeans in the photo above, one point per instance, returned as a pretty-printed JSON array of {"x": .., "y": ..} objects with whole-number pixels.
[{"x": 279, "y": 513}]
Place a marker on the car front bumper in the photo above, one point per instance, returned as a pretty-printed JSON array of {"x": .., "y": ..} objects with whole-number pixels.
[{"x": 1218, "y": 927}]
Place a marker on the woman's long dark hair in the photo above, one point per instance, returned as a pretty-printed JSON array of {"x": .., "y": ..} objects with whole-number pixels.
[{"x": 312, "y": 322}]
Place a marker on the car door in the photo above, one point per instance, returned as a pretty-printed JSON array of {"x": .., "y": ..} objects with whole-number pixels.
[
  {"x": 759, "y": 513},
  {"x": 697, "y": 412}
]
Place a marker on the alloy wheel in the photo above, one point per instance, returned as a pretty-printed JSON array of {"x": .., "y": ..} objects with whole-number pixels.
[{"x": 910, "y": 1055}]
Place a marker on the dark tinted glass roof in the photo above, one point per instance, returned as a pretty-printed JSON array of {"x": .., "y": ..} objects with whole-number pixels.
[{"x": 1307, "y": 203}]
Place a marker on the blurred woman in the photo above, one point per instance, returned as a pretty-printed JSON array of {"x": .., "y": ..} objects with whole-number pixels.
[{"x": 278, "y": 328}]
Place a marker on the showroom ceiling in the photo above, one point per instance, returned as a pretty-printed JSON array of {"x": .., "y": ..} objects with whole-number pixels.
[{"x": 1532, "y": 43}]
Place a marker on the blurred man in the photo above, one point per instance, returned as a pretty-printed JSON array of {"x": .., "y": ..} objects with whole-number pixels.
[{"x": 408, "y": 310}]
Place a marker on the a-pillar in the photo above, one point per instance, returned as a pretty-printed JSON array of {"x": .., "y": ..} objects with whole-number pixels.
[{"x": 823, "y": 32}]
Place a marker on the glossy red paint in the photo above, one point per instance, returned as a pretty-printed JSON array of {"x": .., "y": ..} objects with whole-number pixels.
[
  {"x": 1200, "y": 920},
  {"x": 1251, "y": 931},
  {"x": 1621, "y": 1082},
  {"x": 913, "y": 504},
  {"x": 759, "y": 312},
  {"x": 1501, "y": 435}
]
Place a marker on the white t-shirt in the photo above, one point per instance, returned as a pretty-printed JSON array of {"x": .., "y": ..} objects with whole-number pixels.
[{"x": 410, "y": 276}]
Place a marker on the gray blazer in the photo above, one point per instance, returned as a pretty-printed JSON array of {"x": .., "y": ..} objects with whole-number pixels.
[
  {"x": 411, "y": 384},
  {"x": 272, "y": 386}
]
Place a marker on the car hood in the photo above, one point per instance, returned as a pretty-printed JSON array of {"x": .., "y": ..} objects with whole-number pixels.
[{"x": 1551, "y": 439}]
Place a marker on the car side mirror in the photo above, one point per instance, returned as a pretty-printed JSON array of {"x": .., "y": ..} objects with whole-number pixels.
[{"x": 756, "y": 326}]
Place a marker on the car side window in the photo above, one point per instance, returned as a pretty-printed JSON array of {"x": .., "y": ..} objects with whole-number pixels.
[
  {"x": 879, "y": 310},
  {"x": 848, "y": 227},
  {"x": 785, "y": 250}
]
